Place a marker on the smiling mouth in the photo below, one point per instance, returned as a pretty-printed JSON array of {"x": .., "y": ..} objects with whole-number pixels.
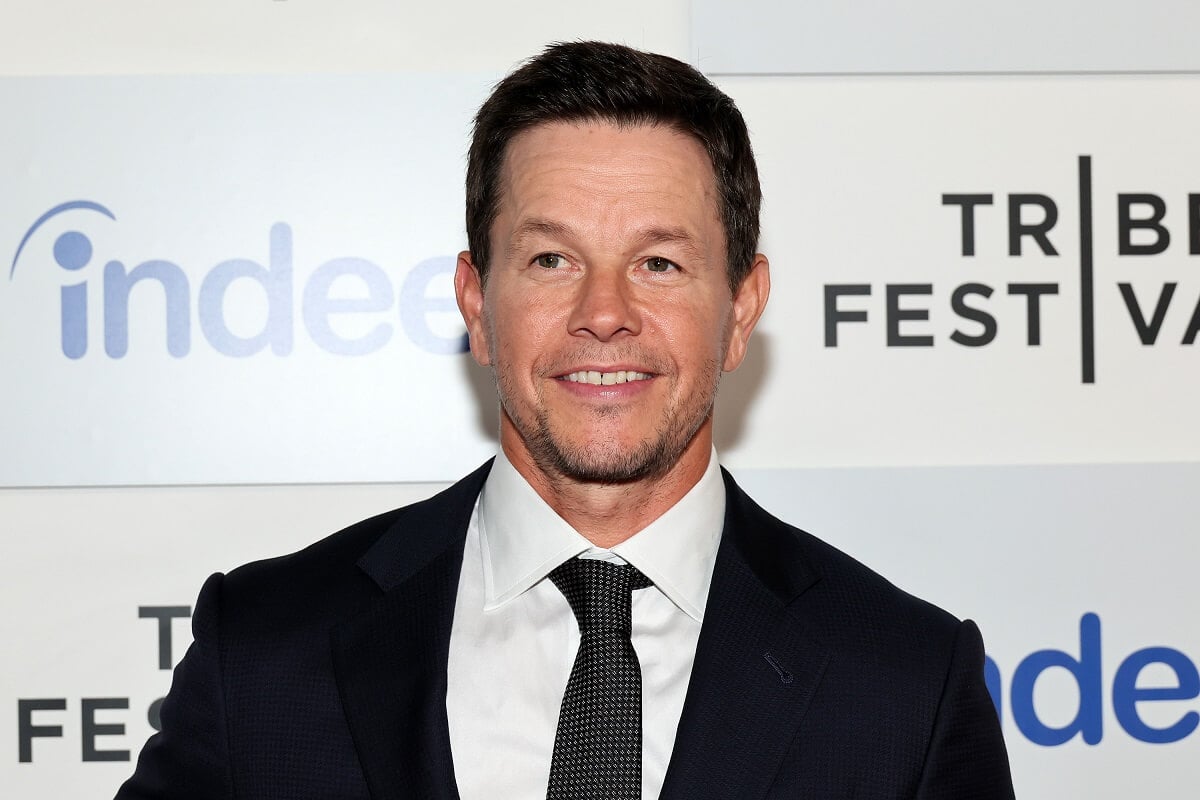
[{"x": 605, "y": 378}]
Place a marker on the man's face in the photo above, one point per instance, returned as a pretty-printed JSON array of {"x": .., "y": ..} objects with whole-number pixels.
[{"x": 607, "y": 315}]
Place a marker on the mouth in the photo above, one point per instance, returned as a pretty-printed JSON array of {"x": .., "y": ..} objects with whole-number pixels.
[{"x": 597, "y": 378}]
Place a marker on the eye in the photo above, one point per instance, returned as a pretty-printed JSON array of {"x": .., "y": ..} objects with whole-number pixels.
[
  {"x": 660, "y": 264},
  {"x": 549, "y": 260}
]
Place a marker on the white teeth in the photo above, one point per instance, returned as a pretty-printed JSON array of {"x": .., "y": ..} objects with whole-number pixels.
[{"x": 605, "y": 378}]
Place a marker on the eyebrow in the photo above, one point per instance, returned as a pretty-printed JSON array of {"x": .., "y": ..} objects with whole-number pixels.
[
  {"x": 536, "y": 227},
  {"x": 659, "y": 235},
  {"x": 655, "y": 234}
]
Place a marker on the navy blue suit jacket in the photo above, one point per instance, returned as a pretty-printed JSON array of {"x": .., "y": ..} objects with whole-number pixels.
[{"x": 323, "y": 675}]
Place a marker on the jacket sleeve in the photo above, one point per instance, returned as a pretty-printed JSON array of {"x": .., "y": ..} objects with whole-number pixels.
[
  {"x": 189, "y": 756},
  {"x": 967, "y": 759}
]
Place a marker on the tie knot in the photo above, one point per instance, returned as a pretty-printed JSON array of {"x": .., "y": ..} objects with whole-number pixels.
[{"x": 600, "y": 593}]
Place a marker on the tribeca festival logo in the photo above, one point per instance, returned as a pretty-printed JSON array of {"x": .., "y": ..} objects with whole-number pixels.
[
  {"x": 375, "y": 299},
  {"x": 53, "y": 717},
  {"x": 1032, "y": 225}
]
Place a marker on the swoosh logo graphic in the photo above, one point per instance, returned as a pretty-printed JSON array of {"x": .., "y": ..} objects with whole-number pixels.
[{"x": 71, "y": 205}]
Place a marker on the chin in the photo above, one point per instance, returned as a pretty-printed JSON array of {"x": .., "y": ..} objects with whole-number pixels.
[{"x": 605, "y": 461}]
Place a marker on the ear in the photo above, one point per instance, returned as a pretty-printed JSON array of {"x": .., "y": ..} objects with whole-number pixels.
[
  {"x": 468, "y": 291},
  {"x": 748, "y": 304}
]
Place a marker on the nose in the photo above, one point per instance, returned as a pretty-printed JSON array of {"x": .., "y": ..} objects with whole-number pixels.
[{"x": 605, "y": 308}]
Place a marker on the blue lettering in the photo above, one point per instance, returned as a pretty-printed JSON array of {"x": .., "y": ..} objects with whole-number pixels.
[
  {"x": 364, "y": 289},
  {"x": 991, "y": 679},
  {"x": 1086, "y": 672},
  {"x": 1126, "y": 694},
  {"x": 416, "y": 305},
  {"x": 73, "y": 251},
  {"x": 276, "y": 282},
  {"x": 74, "y": 320},
  {"x": 318, "y": 306},
  {"x": 117, "y": 285}
]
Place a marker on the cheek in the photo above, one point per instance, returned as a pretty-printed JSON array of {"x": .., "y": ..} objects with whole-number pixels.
[
  {"x": 519, "y": 342},
  {"x": 696, "y": 332}
]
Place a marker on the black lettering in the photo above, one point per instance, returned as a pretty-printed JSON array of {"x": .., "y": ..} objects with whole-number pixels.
[
  {"x": 1033, "y": 307},
  {"x": 1126, "y": 224},
  {"x": 92, "y": 729},
  {"x": 1194, "y": 224},
  {"x": 968, "y": 203},
  {"x": 164, "y": 615},
  {"x": 958, "y": 303},
  {"x": 154, "y": 714},
  {"x": 26, "y": 730},
  {"x": 1018, "y": 229},
  {"x": 833, "y": 315},
  {"x": 1193, "y": 328},
  {"x": 1147, "y": 331},
  {"x": 896, "y": 315}
]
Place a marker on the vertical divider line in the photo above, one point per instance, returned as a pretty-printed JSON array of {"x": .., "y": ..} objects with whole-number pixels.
[{"x": 1087, "y": 317}]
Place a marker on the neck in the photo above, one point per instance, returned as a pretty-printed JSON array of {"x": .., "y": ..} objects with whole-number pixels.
[{"x": 607, "y": 514}]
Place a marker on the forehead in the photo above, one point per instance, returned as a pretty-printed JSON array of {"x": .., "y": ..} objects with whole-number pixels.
[{"x": 603, "y": 161}]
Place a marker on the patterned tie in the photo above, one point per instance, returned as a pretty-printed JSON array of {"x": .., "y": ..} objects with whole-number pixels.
[{"x": 598, "y": 747}]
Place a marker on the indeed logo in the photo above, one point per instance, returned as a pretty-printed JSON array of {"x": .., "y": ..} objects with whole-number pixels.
[
  {"x": 1131, "y": 698},
  {"x": 365, "y": 295}
]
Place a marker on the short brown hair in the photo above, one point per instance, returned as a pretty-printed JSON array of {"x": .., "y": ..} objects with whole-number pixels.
[{"x": 610, "y": 82}]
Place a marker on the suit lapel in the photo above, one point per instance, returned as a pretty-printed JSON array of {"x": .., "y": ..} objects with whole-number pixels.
[
  {"x": 390, "y": 659},
  {"x": 756, "y": 667}
]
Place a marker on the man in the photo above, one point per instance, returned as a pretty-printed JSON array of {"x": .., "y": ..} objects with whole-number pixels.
[{"x": 503, "y": 638}]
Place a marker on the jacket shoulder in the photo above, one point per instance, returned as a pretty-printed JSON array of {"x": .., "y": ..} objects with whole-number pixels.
[
  {"x": 359, "y": 560},
  {"x": 845, "y": 600},
  {"x": 871, "y": 599}
]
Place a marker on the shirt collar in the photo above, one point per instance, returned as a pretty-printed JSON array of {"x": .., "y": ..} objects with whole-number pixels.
[{"x": 522, "y": 539}]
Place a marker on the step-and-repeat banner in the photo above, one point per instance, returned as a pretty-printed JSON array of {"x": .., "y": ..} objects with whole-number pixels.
[
  {"x": 978, "y": 372},
  {"x": 252, "y": 271}
]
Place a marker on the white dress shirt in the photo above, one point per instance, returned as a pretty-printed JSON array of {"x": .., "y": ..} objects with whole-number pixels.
[{"x": 514, "y": 637}]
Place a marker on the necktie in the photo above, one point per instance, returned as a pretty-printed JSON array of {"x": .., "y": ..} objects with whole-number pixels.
[{"x": 598, "y": 747}]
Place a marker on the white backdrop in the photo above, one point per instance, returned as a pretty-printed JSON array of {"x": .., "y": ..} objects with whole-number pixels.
[{"x": 893, "y": 404}]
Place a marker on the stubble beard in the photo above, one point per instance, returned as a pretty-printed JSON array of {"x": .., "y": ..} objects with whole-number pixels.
[{"x": 609, "y": 463}]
